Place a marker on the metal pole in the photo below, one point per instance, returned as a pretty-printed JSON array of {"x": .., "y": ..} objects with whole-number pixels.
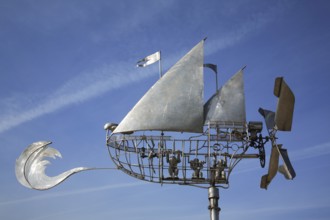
[
  {"x": 216, "y": 81},
  {"x": 160, "y": 65},
  {"x": 213, "y": 201}
]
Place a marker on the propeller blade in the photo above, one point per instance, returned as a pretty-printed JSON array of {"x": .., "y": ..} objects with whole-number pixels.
[
  {"x": 31, "y": 165},
  {"x": 282, "y": 121},
  {"x": 269, "y": 117},
  {"x": 285, "y": 105},
  {"x": 286, "y": 169},
  {"x": 272, "y": 169}
]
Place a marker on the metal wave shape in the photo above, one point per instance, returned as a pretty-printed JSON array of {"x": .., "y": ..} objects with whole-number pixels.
[{"x": 31, "y": 165}]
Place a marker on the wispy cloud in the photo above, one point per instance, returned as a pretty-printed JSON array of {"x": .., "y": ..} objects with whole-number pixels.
[
  {"x": 77, "y": 90},
  {"x": 74, "y": 192},
  {"x": 101, "y": 80},
  {"x": 249, "y": 27},
  {"x": 311, "y": 152},
  {"x": 273, "y": 210}
]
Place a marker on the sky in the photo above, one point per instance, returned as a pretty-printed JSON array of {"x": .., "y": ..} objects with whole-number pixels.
[{"x": 67, "y": 67}]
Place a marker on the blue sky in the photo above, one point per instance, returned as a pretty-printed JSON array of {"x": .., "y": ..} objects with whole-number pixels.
[{"x": 68, "y": 67}]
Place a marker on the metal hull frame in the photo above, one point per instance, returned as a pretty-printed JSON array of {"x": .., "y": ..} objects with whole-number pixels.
[{"x": 182, "y": 158}]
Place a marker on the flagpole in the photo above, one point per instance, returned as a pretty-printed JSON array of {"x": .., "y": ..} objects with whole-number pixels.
[{"x": 160, "y": 65}]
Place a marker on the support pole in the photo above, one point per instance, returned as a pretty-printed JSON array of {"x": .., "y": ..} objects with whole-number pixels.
[{"x": 213, "y": 201}]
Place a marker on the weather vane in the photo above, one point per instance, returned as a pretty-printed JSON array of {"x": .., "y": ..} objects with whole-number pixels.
[{"x": 171, "y": 136}]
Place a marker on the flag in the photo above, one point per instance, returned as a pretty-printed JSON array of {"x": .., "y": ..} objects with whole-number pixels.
[
  {"x": 149, "y": 60},
  {"x": 212, "y": 67}
]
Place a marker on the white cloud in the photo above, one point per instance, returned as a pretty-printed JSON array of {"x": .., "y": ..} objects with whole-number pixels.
[
  {"x": 311, "y": 152},
  {"x": 89, "y": 85},
  {"x": 77, "y": 90},
  {"x": 75, "y": 192},
  {"x": 273, "y": 210},
  {"x": 253, "y": 24}
]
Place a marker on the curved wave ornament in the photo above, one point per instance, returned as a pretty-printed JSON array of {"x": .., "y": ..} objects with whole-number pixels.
[{"x": 31, "y": 165}]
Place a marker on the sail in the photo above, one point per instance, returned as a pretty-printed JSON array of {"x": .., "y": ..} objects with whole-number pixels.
[
  {"x": 228, "y": 103},
  {"x": 174, "y": 102}
]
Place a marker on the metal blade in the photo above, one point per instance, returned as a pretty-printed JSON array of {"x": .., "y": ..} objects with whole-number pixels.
[
  {"x": 286, "y": 169},
  {"x": 269, "y": 117},
  {"x": 272, "y": 169},
  {"x": 285, "y": 105}
]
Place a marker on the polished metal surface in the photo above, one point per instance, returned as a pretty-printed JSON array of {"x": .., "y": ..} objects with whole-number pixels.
[
  {"x": 175, "y": 102},
  {"x": 272, "y": 169},
  {"x": 285, "y": 105},
  {"x": 213, "y": 203},
  {"x": 286, "y": 169},
  {"x": 31, "y": 165},
  {"x": 269, "y": 117},
  {"x": 228, "y": 103},
  {"x": 24, "y": 157}
]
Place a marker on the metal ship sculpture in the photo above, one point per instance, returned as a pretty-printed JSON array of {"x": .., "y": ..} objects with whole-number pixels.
[{"x": 172, "y": 136}]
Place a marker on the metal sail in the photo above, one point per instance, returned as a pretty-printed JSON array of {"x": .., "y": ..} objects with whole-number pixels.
[
  {"x": 228, "y": 103},
  {"x": 174, "y": 102}
]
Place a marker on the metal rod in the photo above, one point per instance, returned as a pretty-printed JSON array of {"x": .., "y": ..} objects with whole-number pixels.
[
  {"x": 236, "y": 156},
  {"x": 216, "y": 82},
  {"x": 160, "y": 65},
  {"x": 213, "y": 203}
]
